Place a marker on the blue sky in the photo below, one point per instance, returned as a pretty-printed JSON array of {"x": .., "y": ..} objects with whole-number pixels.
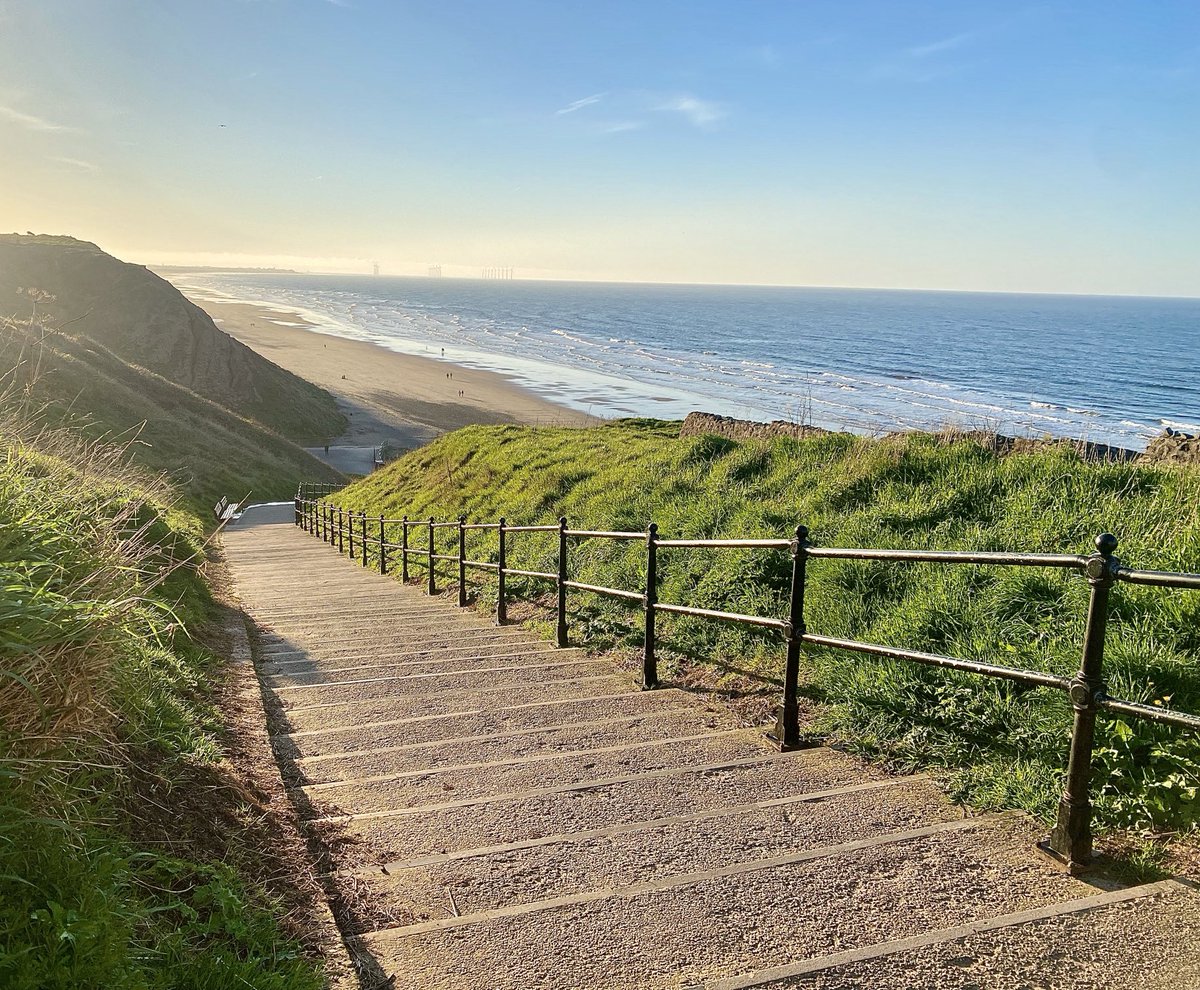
[{"x": 1041, "y": 147}]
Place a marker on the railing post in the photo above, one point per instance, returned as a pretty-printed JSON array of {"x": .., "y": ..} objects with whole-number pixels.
[
  {"x": 432, "y": 582},
  {"x": 319, "y": 516},
  {"x": 1070, "y": 841},
  {"x": 404, "y": 550},
  {"x": 341, "y": 529},
  {"x": 462, "y": 562},
  {"x": 649, "y": 660},
  {"x": 562, "y": 581},
  {"x": 382, "y": 547},
  {"x": 501, "y": 563},
  {"x": 296, "y": 512},
  {"x": 330, "y": 536},
  {"x": 787, "y": 726},
  {"x": 362, "y": 543},
  {"x": 350, "y": 518}
]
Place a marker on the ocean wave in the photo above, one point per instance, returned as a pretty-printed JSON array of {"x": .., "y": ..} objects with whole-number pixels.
[{"x": 686, "y": 351}]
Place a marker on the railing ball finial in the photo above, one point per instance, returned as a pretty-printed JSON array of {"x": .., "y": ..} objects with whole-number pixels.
[{"x": 1106, "y": 543}]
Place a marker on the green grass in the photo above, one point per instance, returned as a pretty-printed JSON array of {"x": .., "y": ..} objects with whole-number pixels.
[
  {"x": 207, "y": 449},
  {"x": 1000, "y": 746},
  {"x": 101, "y": 689}
]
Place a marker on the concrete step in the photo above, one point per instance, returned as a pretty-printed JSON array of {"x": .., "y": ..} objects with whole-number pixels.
[
  {"x": 483, "y": 779},
  {"x": 411, "y": 639},
  {"x": 545, "y": 741},
  {"x": 325, "y": 714},
  {"x": 558, "y": 666},
  {"x": 407, "y": 617},
  {"x": 688, "y": 928},
  {"x": 451, "y": 822},
  {"x": 362, "y": 653},
  {"x": 481, "y": 723},
  {"x": 1142, "y": 938},
  {"x": 625, "y": 855},
  {"x": 348, "y": 669}
]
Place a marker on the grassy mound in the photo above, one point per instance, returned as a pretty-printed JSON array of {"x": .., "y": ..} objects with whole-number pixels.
[
  {"x": 145, "y": 321},
  {"x": 208, "y": 449},
  {"x": 1002, "y": 746},
  {"x": 106, "y": 721}
]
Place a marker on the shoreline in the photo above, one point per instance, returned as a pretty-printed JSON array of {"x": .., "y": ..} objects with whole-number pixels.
[
  {"x": 581, "y": 373},
  {"x": 388, "y": 397}
]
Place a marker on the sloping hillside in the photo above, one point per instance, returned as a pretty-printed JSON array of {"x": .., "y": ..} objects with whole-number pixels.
[
  {"x": 207, "y": 449},
  {"x": 136, "y": 850},
  {"x": 145, "y": 320},
  {"x": 1002, "y": 747}
]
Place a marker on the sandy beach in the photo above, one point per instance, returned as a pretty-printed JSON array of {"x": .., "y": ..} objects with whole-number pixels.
[{"x": 389, "y": 397}]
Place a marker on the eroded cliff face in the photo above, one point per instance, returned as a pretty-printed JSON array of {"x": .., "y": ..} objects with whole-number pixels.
[
  {"x": 146, "y": 321},
  {"x": 1173, "y": 447},
  {"x": 701, "y": 423}
]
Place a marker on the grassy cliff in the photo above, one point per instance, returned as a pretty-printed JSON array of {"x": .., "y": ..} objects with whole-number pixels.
[
  {"x": 145, "y": 321},
  {"x": 208, "y": 449},
  {"x": 1001, "y": 746},
  {"x": 111, "y": 756}
]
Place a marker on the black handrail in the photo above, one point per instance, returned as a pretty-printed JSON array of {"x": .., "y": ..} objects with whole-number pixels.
[{"x": 1070, "y": 841}]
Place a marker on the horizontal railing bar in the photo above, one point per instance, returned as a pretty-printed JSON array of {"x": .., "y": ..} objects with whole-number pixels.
[
  {"x": 482, "y": 526},
  {"x": 1151, "y": 713},
  {"x": 632, "y": 596},
  {"x": 531, "y": 529},
  {"x": 707, "y": 613},
  {"x": 743, "y": 544},
  {"x": 532, "y": 574},
  {"x": 440, "y": 525},
  {"x": 951, "y": 556},
  {"x": 482, "y": 565},
  {"x": 1159, "y": 579},
  {"x": 606, "y": 534},
  {"x": 443, "y": 556},
  {"x": 937, "y": 660}
]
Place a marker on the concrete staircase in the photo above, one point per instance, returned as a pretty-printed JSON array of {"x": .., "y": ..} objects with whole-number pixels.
[{"x": 498, "y": 813}]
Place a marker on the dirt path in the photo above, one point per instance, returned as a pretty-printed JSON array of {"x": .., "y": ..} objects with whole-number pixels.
[{"x": 495, "y": 812}]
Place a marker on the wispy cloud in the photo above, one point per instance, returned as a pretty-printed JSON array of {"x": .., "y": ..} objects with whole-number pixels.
[
  {"x": 941, "y": 45},
  {"x": 76, "y": 163},
  {"x": 622, "y": 126},
  {"x": 587, "y": 101},
  {"x": 29, "y": 121},
  {"x": 924, "y": 63},
  {"x": 700, "y": 113}
]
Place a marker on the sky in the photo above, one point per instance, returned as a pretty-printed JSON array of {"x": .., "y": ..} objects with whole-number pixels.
[{"x": 994, "y": 146}]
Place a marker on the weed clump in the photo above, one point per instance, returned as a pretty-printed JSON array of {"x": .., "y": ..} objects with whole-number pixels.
[{"x": 104, "y": 699}]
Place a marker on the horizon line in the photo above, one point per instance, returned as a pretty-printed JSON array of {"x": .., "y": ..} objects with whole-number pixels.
[{"x": 264, "y": 270}]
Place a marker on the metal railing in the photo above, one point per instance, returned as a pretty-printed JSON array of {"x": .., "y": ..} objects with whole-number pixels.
[{"x": 1070, "y": 841}]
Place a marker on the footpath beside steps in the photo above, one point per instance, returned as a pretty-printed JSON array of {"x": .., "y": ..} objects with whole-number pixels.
[{"x": 494, "y": 812}]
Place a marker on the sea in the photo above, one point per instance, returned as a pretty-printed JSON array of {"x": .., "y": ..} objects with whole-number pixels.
[{"x": 1109, "y": 369}]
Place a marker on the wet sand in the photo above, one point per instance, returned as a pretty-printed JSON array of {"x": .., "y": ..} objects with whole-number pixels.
[{"x": 389, "y": 397}]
